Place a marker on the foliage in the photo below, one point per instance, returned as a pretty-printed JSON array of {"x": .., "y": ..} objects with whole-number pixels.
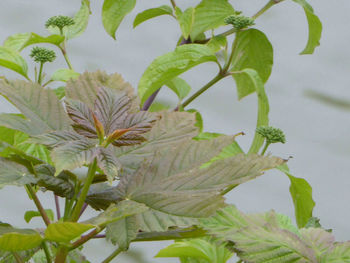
[{"x": 150, "y": 175}]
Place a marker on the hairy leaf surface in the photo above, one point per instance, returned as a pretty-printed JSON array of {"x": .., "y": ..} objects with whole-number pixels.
[{"x": 40, "y": 106}]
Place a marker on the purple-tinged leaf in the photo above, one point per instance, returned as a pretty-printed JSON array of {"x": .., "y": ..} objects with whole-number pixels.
[
  {"x": 56, "y": 139},
  {"x": 82, "y": 117},
  {"x": 108, "y": 163}
]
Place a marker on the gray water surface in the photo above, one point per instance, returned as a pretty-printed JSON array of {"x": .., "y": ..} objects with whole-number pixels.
[{"x": 317, "y": 135}]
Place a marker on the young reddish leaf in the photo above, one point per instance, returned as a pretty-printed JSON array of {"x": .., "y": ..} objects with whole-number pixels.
[{"x": 99, "y": 128}]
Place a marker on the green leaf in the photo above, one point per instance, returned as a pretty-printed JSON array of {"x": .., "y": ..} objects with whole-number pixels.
[
  {"x": 259, "y": 238},
  {"x": 186, "y": 20},
  {"x": 11, "y": 59},
  {"x": 60, "y": 185},
  {"x": 164, "y": 184},
  {"x": 113, "y": 12},
  {"x": 40, "y": 106},
  {"x": 117, "y": 212},
  {"x": 195, "y": 249},
  {"x": 217, "y": 43},
  {"x": 172, "y": 65},
  {"x": 301, "y": 192},
  {"x": 151, "y": 13},
  {"x": 210, "y": 14},
  {"x": 81, "y": 19},
  {"x": 263, "y": 106},
  {"x": 12, "y": 173},
  {"x": 253, "y": 50},
  {"x": 64, "y": 75},
  {"x": 199, "y": 121},
  {"x": 339, "y": 254},
  {"x": 321, "y": 241},
  {"x": 179, "y": 86},
  {"x": 18, "y": 122},
  {"x": 30, "y": 214},
  {"x": 315, "y": 27},
  {"x": 60, "y": 92},
  {"x": 108, "y": 163},
  {"x": 123, "y": 231},
  {"x": 13, "y": 239},
  {"x": 19, "y": 41},
  {"x": 65, "y": 231},
  {"x": 74, "y": 155}
]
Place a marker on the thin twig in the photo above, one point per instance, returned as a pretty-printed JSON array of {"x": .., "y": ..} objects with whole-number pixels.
[
  {"x": 38, "y": 205},
  {"x": 83, "y": 209},
  {"x": 113, "y": 255},
  {"x": 58, "y": 211}
]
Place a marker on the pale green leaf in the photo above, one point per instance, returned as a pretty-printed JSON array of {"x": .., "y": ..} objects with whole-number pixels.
[
  {"x": 81, "y": 19},
  {"x": 19, "y": 41},
  {"x": 40, "y": 106},
  {"x": 321, "y": 241},
  {"x": 263, "y": 105},
  {"x": 13, "y": 239},
  {"x": 85, "y": 88},
  {"x": 11, "y": 59},
  {"x": 339, "y": 254},
  {"x": 151, "y": 13},
  {"x": 64, "y": 75},
  {"x": 12, "y": 173},
  {"x": 253, "y": 50},
  {"x": 210, "y": 14},
  {"x": 301, "y": 192},
  {"x": 123, "y": 231},
  {"x": 29, "y": 215},
  {"x": 65, "y": 231},
  {"x": 186, "y": 20},
  {"x": 171, "y": 65},
  {"x": 108, "y": 163},
  {"x": 315, "y": 27},
  {"x": 205, "y": 249},
  {"x": 18, "y": 122},
  {"x": 179, "y": 86},
  {"x": 60, "y": 92},
  {"x": 113, "y": 12}
]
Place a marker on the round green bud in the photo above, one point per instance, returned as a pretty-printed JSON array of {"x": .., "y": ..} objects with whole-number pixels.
[
  {"x": 271, "y": 134},
  {"x": 239, "y": 22},
  {"x": 42, "y": 55},
  {"x": 59, "y": 21}
]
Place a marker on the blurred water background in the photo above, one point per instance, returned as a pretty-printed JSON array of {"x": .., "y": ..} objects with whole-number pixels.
[{"x": 317, "y": 134}]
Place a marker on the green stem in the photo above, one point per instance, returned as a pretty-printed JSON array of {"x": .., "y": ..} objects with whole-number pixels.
[
  {"x": 218, "y": 77},
  {"x": 64, "y": 53},
  {"x": 265, "y": 148},
  {"x": 62, "y": 254},
  {"x": 266, "y": 7},
  {"x": 38, "y": 205},
  {"x": 173, "y": 3},
  {"x": 40, "y": 73},
  {"x": 17, "y": 257},
  {"x": 233, "y": 51},
  {"x": 84, "y": 191},
  {"x": 47, "y": 252},
  {"x": 113, "y": 255}
]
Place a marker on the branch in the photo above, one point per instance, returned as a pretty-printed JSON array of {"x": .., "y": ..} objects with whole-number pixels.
[
  {"x": 38, "y": 205},
  {"x": 113, "y": 255}
]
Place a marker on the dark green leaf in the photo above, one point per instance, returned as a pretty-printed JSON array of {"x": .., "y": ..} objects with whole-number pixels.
[
  {"x": 11, "y": 59},
  {"x": 113, "y": 12},
  {"x": 171, "y": 65},
  {"x": 18, "y": 42},
  {"x": 253, "y": 51},
  {"x": 315, "y": 27},
  {"x": 151, "y": 13},
  {"x": 301, "y": 193}
]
